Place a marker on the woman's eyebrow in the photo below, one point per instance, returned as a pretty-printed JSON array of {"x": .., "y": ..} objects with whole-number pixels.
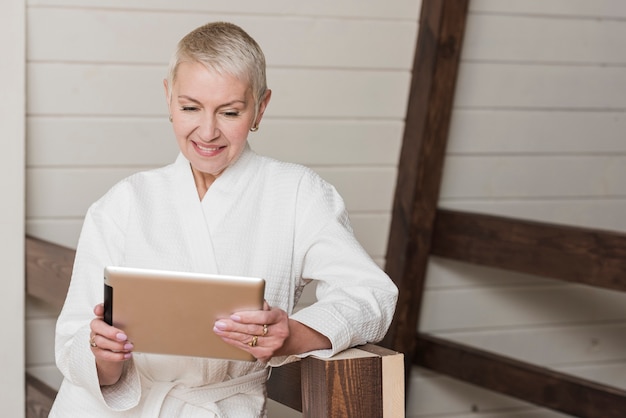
[
  {"x": 191, "y": 99},
  {"x": 184, "y": 97}
]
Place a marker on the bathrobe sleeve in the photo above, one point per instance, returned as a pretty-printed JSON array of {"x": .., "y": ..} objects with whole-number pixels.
[
  {"x": 101, "y": 243},
  {"x": 355, "y": 298}
]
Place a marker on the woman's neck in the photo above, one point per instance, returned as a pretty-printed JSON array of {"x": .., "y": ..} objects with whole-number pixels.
[{"x": 203, "y": 181}]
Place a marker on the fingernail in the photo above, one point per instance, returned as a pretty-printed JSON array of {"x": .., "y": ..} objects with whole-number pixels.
[
  {"x": 121, "y": 337},
  {"x": 128, "y": 355},
  {"x": 128, "y": 346},
  {"x": 235, "y": 318},
  {"x": 220, "y": 325}
]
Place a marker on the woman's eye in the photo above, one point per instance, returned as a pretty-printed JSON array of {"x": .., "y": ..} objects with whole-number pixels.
[
  {"x": 231, "y": 114},
  {"x": 188, "y": 108}
]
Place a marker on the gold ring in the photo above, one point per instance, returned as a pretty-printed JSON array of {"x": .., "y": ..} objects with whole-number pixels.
[
  {"x": 264, "y": 330},
  {"x": 92, "y": 341},
  {"x": 254, "y": 341}
]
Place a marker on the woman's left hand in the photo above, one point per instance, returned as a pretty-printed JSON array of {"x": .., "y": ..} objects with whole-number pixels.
[{"x": 261, "y": 333}]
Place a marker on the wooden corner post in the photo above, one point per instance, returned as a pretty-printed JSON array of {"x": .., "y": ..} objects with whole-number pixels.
[
  {"x": 363, "y": 382},
  {"x": 437, "y": 56}
]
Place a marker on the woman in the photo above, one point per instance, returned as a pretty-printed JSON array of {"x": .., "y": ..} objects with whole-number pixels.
[{"x": 219, "y": 208}]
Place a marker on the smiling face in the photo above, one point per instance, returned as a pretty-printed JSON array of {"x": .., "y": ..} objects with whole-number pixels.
[{"x": 212, "y": 115}]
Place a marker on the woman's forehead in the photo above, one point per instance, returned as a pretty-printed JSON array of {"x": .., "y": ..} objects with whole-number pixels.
[{"x": 194, "y": 79}]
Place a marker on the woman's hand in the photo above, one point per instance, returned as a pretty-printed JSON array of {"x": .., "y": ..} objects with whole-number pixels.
[
  {"x": 110, "y": 346},
  {"x": 268, "y": 333}
]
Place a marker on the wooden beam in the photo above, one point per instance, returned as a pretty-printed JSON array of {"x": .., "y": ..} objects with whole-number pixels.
[
  {"x": 360, "y": 382},
  {"x": 39, "y": 397},
  {"x": 351, "y": 384},
  {"x": 48, "y": 270},
  {"x": 582, "y": 255},
  {"x": 539, "y": 385},
  {"x": 284, "y": 384},
  {"x": 442, "y": 24}
]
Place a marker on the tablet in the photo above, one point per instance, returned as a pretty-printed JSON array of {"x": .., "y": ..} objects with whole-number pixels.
[{"x": 167, "y": 312}]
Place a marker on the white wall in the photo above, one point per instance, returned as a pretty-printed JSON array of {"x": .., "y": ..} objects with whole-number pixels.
[
  {"x": 538, "y": 133},
  {"x": 96, "y": 101},
  {"x": 339, "y": 71},
  {"x": 12, "y": 35}
]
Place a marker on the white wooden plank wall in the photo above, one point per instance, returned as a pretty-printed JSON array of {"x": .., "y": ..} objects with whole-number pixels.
[
  {"x": 339, "y": 71},
  {"x": 537, "y": 133}
]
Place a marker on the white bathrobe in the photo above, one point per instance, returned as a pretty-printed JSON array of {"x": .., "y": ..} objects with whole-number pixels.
[{"x": 260, "y": 218}]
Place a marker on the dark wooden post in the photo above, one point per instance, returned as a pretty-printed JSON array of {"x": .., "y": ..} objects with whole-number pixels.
[
  {"x": 442, "y": 24},
  {"x": 365, "y": 382}
]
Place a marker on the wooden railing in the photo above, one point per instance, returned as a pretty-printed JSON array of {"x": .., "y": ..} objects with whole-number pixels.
[{"x": 366, "y": 381}]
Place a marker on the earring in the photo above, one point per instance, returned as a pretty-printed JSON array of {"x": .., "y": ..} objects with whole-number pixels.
[
  {"x": 254, "y": 128},
  {"x": 171, "y": 119}
]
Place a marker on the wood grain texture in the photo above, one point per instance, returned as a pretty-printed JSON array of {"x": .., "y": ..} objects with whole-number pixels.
[
  {"x": 598, "y": 213},
  {"x": 557, "y": 347},
  {"x": 39, "y": 397},
  {"x": 421, "y": 161},
  {"x": 350, "y": 397},
  {"x": 541, "y": 386},
  {"x": 284, "y": 385},
  {"x": 580, "y": 255},
  {"x": 351, "y": 384},
  {"x": 48, "y": 270}
]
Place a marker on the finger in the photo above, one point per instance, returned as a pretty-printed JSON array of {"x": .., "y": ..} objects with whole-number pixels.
[
  {"x": 103, "y": 353},
  {"x": 259, "y": 351},
  {"x": 100, "y": 342},
  {"x": 113, "y": 356},
  {"x": 255, "y": 317},
  {"x": 98, "y": 326},
  {"x": 98, "y": 310},
  {"x": 107, "y": 337},
  {"x": 237, "y": 332},
  {"x": 233, "y": 328}
]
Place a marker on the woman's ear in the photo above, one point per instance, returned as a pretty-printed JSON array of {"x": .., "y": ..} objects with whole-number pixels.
[
  {"x": 168, "y": 98},
  {"x": 262, "y": 106}
]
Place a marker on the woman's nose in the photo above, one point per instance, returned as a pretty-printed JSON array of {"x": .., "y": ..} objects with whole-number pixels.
[{"x": 208, "y": 128}]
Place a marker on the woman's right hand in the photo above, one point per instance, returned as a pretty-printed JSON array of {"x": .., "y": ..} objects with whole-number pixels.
[{"x": 110, "y": 346}]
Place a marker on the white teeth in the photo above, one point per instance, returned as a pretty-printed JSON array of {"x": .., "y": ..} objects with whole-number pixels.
[{"x": 208, "y": 149}]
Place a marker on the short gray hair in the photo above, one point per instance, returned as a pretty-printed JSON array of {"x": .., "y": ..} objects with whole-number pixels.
[{"x": 225, "y": 48}]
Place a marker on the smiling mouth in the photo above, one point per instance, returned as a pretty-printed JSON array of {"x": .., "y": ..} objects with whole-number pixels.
[{"x": 209, "y": 149}]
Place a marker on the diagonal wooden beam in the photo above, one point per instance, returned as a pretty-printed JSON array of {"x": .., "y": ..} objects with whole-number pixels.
[
  {"x": 48, "y": 270},
  {"x": 442, "y": 25}
]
